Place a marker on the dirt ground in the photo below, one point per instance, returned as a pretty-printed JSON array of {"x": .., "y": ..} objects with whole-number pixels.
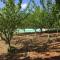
[{"x": 37, "y": 39}]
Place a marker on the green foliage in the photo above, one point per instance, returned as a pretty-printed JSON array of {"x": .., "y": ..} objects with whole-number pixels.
[
  {"x": 36, "y": 19},
  {"x": 56, "y": 14},
  {"x": 10, "y": 18}
]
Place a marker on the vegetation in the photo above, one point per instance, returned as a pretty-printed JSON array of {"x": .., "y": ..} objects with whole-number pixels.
[
  {"x": 34, "y": 16},
  {"x": 10, "y": 18}
]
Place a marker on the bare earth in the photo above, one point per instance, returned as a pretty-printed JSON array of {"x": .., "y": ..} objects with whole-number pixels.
[{"x": 39, "y": 39}]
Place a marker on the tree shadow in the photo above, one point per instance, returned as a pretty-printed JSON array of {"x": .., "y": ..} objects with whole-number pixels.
[
  {"x": 3, "y": 57},
  {"x": 19, "y": 57},
  {"x": 13, "y": 57}
]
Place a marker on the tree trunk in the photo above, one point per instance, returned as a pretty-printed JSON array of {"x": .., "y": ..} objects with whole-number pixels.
[
  {"x": 48, "y": 35},
  {"x": 35, "y": 32},
  {"x": 9, "y": 39},
  {"x": 57, "y": 32},
  {"x": 41, "y": 30},
  {"x": 35, "y": 35},
  {"x": 24, "y": 30},
  {"x": 24, "y": 33},
  {"x": 9, "y": 46}
]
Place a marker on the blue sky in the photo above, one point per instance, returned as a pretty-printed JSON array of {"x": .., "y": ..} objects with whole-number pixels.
[
  {"x": 24, "y": 3},
  {"x": 1, "y": 5}
]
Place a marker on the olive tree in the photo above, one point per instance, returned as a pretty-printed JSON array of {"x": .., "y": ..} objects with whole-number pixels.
[
  {"x": 10, "y": 17},
  {"x": 56, "y": 15}
]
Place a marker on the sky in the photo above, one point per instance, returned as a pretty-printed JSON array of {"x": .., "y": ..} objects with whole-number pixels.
[{"x": 24, "y": 3}]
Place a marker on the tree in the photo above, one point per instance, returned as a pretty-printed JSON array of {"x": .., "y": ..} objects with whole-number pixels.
[
  {"x": 56, "y": 15},
  {"x": 58, "y": 4},
  {"x": 10, "y": 17},
  {"x": 38, "y": 18}
]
